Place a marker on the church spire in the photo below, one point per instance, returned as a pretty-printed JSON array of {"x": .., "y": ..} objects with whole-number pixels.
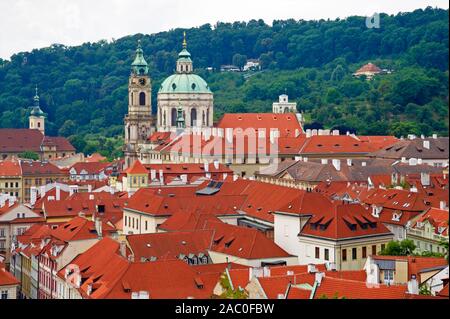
[
  {"x": 139, "y": 65},
  {"x": 36, "y": 97},
  {"x": 184, "y": 40}
]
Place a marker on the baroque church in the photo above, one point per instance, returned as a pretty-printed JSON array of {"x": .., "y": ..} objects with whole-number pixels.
[{"x": 184, "y": 102}]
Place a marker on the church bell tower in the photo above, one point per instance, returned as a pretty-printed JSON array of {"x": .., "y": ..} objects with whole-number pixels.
[{"x": 139, "y": 122}]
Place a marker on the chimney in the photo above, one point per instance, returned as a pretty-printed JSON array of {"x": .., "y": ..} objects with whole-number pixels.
[
  {"x": 235, "y": 177},
  {"x": 363, "y": 164},
  {"x": 58, "y": 192},
  {"x": 336, "y": 133},
  {"x": 308, "y": 133},
  {"x": 225, "y": 175},
  {"x": 89, "y": 188},
  {"x": 435, "y": 136},
  {"x": 42, "y": 191},
  {"x": 33, "y": 195},
  {"x": 349, "y": 162},
  {"x": 312, "y": 268},
  {"x": 161, "y": 176},
  {"x": 419, "y": 161},
  {"x": 324, "y": 161},
  {"x": 426, "y": 144},
  {"x": 91, "y": 197},
  {"x": 413, "y": 286},
  {"x": 297, "y": 133},
  {"x": 184, "y": 178},
  {"x": 152, "y": 175},
  {"x": 216, "y": 164},
  {"x": 319, "y": 277},
  {"x": 206, "y": 167},
  {"x": 404, "y": 161},
  {"x": 337, "y": 164},
  {"x": 443, "y": 205},
  {"x": 123, "y": 249},
  {"x": 412, "y": 162},
  {"x": 98, "y": 227},
  {"x": 305, "y": 159}
]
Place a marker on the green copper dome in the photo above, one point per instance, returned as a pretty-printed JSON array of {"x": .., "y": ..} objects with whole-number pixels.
[{"x": 184, "y": 83}]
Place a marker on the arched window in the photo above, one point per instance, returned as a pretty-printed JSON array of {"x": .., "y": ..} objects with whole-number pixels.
[
  {"x": 193, "y": 117},
  {"x": 173, "y": 121},
  {"x": 286, "y": 110},
  {"x": 142, "y": 98}
]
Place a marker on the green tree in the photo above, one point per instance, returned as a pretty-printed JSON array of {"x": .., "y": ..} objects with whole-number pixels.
[
  {"x": 29, "y": 155},
  {"x": 239, "y": 60},
  {"x": 405, "y": 247}
]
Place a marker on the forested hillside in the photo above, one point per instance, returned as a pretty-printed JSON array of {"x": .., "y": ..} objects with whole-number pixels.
[{"x": 84, "y": 89}]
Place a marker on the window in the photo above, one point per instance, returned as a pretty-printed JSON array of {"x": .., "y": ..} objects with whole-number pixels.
[
  {"x": 317, "y": 253},
  {"x": 383, "y": 246},
  {"x": 374, "y": 250},
  {"x": 327, "y": 254},
  {"x": 142, "y": 99},
  {"x": 364, "y": 252},
  {"x": 2, "y": 232},
  {"x": 388, "y": 275},
  {"x": 4, "y": 294},
  {"x": 146, "y": 225},
  {"x": 354, "y": 253},
  {"x": 193, "y": 117},
  {"x": 344, "y": 254}
]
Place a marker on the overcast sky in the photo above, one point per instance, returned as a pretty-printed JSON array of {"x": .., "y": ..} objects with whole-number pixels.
[{"x": 28, "y": 24}]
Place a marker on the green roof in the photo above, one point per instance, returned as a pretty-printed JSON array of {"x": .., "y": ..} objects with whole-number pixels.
[
  {"x": 139, "y": 65},
  {"x": 184, "y": 83}
]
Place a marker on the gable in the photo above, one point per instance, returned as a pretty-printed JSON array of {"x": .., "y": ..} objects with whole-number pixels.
[{"x": 20, "y": 209}]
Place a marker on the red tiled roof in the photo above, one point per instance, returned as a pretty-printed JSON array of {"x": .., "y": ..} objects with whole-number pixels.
[
  {"x": 10, "y": 168},
  {"x": 185, "y": 220},
  {"x": 444, "y": 292},
  {"x": 239, "y": 277},
  {"x": 169, "y": 246},
  {"x": 6, "y": 278},
  {"x": 100, "y": 265},
  {"x": 96, "y": 157},
  {"x": 62, "y": 144},
  {"x": 90, "y": 167},
  {"x": 163, "y": 280},
  {"x": 81, "y": 203},
  {"x": 20, "y": 140},
  {"x": 79, "y": 228},
  {"x": 243, "y": 242},
  {"x": 136, "y": 168},
  {"x": 344, "y": 221},
  {"x": 39, "y": 168},
  {"x": 369, "y": 67},
  {"x": 336, "y": 144},
  {"x": 438, "y": 218},
  {"x": 287, "y": 124}
]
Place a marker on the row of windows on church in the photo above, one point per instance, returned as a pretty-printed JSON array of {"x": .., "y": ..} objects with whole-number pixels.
[{"x": 174, "y": 116}]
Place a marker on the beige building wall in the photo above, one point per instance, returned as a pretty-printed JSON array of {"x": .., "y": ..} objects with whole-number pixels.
[{"x": 10, "y": 291}]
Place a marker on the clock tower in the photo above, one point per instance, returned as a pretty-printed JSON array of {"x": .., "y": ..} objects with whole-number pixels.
[{"x": 139, "y": 122}]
